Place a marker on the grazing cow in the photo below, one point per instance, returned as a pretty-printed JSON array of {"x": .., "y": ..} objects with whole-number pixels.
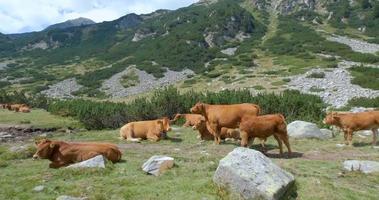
[
  {"x": 263, "y": 127},
  {"x": 191, "y": 119},
  {"x": 15, "y": 107},
  {"x": 136, "y": 131},
  {"x": 62, "y": 153},
  {"x": 350, "y": 122},
  {"x": 228, "y": 116}
]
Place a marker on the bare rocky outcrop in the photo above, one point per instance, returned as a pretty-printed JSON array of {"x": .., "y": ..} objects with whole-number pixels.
[
  {"x": 335, "y": 88},
  {"x": 21, "y": 132},
  {"x": 113, "y": 87},
  {"x": 63, "y": 89}
]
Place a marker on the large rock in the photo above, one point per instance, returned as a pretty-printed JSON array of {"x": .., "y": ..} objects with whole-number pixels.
[
  {"x": 301, "y": 129},
  {"x": 156, "y": 165},
  {"x": 248, "y": 174},
  {"x": 65, "y": 197},
  {"x": 364, "y": 166},
  {"x": 95, "y": 162}
]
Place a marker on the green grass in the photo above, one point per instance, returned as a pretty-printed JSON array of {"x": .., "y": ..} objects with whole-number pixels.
[
  {"x": 37, "y": 118},
  {"x": 366, "y": 77},
  {"x": 317, "y": 172}
]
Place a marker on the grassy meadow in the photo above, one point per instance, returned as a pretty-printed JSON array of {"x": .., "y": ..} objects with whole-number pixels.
[{"x": 316, "y": 165}]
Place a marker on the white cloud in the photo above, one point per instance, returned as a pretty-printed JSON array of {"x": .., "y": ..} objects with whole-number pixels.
[{"x": 18, "y": 16}]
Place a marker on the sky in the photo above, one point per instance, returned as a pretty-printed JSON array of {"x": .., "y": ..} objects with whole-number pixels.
[{"x": 18, "y": 16}]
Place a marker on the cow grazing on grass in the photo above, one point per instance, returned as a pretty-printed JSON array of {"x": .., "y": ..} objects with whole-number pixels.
[
  {"x": 228, "y": 116},
  {"x": 136, "y": 131},
  {"x": 62, "y": 153},
  {"x": 191, "y": 119},
  {"x": 350, "y": 122},
  {"x": 18, "y": 107},
  {"x": 263, "y": 127}
]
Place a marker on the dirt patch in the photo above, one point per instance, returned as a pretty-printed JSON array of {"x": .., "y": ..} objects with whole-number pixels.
[{"x": 331, "y": 156}]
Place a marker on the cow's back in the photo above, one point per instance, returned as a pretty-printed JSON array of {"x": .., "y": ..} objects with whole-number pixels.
[{"x": 230, "y": 115}]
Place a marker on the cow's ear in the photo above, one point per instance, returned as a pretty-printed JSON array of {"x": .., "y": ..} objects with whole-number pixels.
[
  {"x": 336, "y": 117},
  {"x": 52, "y": 145},
  {"x": 159, "y": 122}
]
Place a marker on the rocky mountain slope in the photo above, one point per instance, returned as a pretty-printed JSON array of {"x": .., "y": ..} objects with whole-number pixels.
[{"x": 222, "y": 44}]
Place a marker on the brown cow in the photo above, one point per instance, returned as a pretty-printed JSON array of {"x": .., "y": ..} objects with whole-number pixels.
[
  {"x": 206, "y": 135},
  {"x": 15, "y": 107},
  {"x": 228, "y": 116},
  {"x": 191, "y": 119},
  {"x": 62, "y": 153},
  {"x": 263, "y": 127},
  {"x": 350, "y": 122},
  {"x": 136, "y": 131}
]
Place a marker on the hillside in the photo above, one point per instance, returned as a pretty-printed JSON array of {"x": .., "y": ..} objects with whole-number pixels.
[{"x": 254, "y": 44}]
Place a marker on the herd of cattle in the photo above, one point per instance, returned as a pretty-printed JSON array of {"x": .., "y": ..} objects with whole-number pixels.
[
  {"x": 243, "y": 122},
  {"x": 16, "y": 107}
]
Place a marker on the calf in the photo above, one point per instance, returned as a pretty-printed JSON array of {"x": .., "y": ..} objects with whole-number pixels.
[
  {"x": 191, "y": 119},
  {"x": 350, "y": 122},
  {"x": 136, "y": 131},
  {"x": 228, "y": 116},
  {"x": 263, "y": 127},
  {"x": 62, "y": 153}
]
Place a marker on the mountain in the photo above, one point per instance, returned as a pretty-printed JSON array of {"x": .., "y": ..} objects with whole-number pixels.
[
  {"x": 221, "y": 41},
  {"x": 71, "y": 23}
]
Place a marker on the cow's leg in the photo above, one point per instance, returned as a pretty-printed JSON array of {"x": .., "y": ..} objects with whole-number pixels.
[
  {"x": 244, "y": 139},
  {"x": 153, "y": 137},
  {"x": 56, "y": 164},
  {"x": 374, "y": 135},
  {"x": 263, "y": 146},
  {"x": 280, "y": 143},
  {"x": 345, "y": 134},
  {"x": 350, "y": 137},
  {"x": 284, "y": 138},
  {"x": 130, "y": 138}
]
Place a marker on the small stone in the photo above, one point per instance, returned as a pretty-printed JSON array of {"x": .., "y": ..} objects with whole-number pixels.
[
  {"x": 364, "y": 166},
  {"x": 38, "y": 188},
  {"x": 156, "y": 165},
  {"x": 95, "y": 162},
  {"x": 65, "y": 197},
  {"x": 340, "y": 145}
]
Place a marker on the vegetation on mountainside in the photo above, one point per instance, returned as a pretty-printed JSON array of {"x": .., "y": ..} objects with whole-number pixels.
[
  {"x": 363, "y": 14},
  {"x": 366, "y": 77},
  {"x": 364, "y": 102},
  {"x": 168, "y": 102},
  {"x": 296, "y": 39}
]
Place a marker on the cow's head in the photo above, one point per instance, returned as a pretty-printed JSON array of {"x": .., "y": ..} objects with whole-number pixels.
[
  {"x": 198, "y": 108},
  {"x": 331, "y": 118},
  {"x": 45, "y": 148},
  {"x": 166, "y": 124},
  {"x": 199, "y": 125}
]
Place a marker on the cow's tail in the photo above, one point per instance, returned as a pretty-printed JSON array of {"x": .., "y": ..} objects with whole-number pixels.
[{"x": 282, "y": 126}]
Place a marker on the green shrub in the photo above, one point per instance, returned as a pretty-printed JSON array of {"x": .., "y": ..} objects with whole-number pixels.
[
  {"x": 366, "y": 77},
  {"x": 364, "y": 102},
  {"x": 168, "y": 102},
  {"x": 316, "y": 75}
]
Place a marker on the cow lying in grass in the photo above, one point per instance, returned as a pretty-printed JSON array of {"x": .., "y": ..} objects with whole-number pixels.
[
  {"x": 18, "y": 107},
  {"x": 152, "y": 130},
  {"x": 228, "y": 116},
  {"x": 62, "y": 153},
  {"x": 350, "y": 122},
  {"x": 263, "y": 127},
  {"x": 191, "y": 119}
]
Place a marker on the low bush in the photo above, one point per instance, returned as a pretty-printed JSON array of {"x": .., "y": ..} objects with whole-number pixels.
[
  {"x": 366, "y": 77},
  {"x": 316, "y": 75},
  {"x": 364, "y": 102},
  {"x": 168, "y": 101}
]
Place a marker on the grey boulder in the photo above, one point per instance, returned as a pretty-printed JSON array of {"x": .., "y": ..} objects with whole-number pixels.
[
  {"x": 95, "y": 162},
  {"x": 302, "y": 129},
  {"x": 248, "y": 174},
  {"x": 156, "y": 165}
]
